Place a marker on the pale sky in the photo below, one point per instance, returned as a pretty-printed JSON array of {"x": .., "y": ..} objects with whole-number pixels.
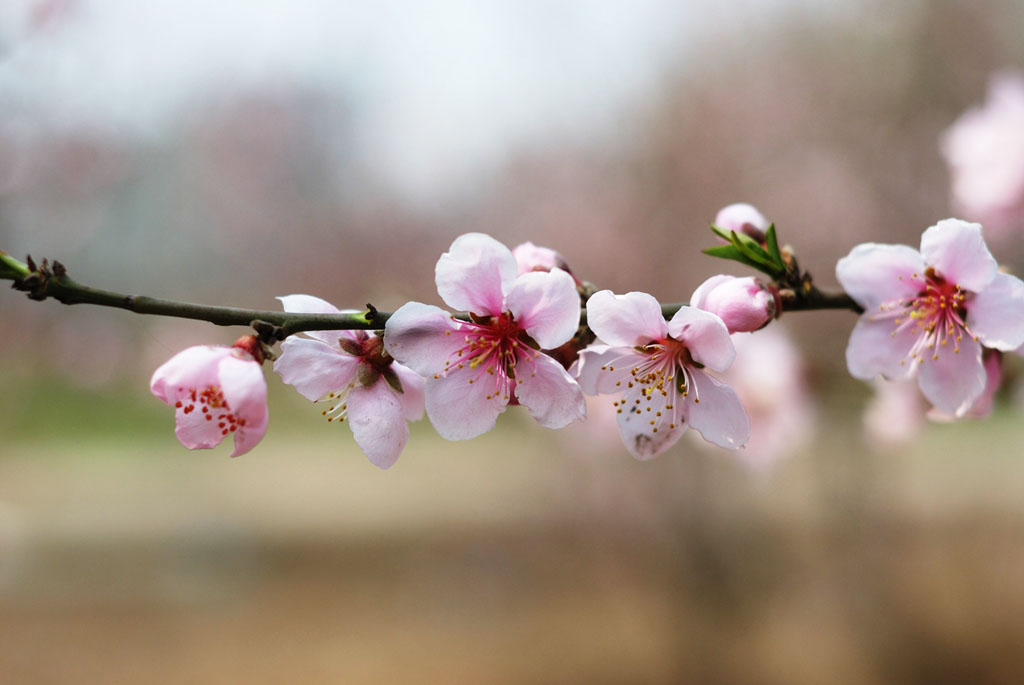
[{"x": 439, "y": 90}]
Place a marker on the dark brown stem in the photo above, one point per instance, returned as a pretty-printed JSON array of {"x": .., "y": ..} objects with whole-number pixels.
[{"x": 43, "y": 282}]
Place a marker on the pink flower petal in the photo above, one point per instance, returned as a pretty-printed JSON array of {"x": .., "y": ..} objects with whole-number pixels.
[
  {"x": 475, "y": 274},
  {"x": 422, "y": 337},
  {"x": 625, "y": 320},
  {"x": 378, "y": 425},
  {"x": 547, "y": 305},
  {"x": 315, "y": 368},
  {"x": 195, "y": 431},
  {"x": 718, "y": 415},
  {"x": 600, "y": 368},
  {"x": 412, "y": 396},
  {"x": 550, "y": 394},
  {"x": 245, "y": 390},
  {"x": 872, "y": 273},
  {"x": 705, "y": 335},
  {"x": 193, "y": 367},
  {"x": 957, "y": 250},
  {"x": 307, "y": 304},
  {"x": 460, "y": 410},
  {"x": 982, "y": 406},
  {"x": 700, "y": 295},
  {"x": 873, "y": 349},
  {"x": 639, "y": 438},
  {"x": 953, "y": 382},
  {"x": 996, "y": 314}
]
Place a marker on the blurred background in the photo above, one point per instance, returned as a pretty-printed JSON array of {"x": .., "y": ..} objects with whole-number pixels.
[{"x": 231, "y": 152}]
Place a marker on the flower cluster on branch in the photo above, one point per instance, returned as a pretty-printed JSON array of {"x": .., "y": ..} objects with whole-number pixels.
[{"x": 941, "y": 316}]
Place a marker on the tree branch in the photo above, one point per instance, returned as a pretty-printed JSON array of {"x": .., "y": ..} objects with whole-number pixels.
[{"x": 46, "y": 281}]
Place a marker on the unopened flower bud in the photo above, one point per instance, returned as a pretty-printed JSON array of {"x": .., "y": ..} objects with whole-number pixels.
[
  {"x": 743, "y": 218},
  {"x": 744, "y": 304},
  {"x": 252, "y": 346},
  {"x": 530, "y": 257}
]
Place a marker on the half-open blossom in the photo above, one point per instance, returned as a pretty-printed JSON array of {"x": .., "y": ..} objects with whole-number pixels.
[
  {"x": 216, "y": 391},
  {"x": 657, "y": 371},
  {"x": 742, "y": 218},
  {"x": 474, "y": 369},
  {"x": 930, "y": 312},
  {"x": 985, "y": 153},
  {"x": 744, "y": 304},
  {"x": 361, "y": 383}
]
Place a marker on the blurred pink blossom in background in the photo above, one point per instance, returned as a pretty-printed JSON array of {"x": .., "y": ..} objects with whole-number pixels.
[
  {"x": 769, "y": 377},
  {"x": 985, "y": 153},
  {"x": 895, "y": 414}
]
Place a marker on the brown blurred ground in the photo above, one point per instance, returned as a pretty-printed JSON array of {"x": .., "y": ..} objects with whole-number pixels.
[{"x": 507, "y": 560}]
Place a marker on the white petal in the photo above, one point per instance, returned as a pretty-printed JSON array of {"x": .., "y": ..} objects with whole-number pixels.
[
  {"x": 245, "y": 391},
  {"x": 599, "y": 368},
  {"x": 954, "y": 381},
  {"x": 625, "y": 320},
  {"x": 996, "y": 314},
  {"x": 308, "y": 304},
  {"x": 192, "y": 368},
  {"x": 705, "y": 335},
  {"x": 422, "y": 336},
  {"x": 412, "y": 396},
  {"x": 460, "y": 410},
  {"x": 874, "y": 273},
  {"x": 716, "y": 412},
  {"x": 378, "y": 424},
  {"x": 549, "y": 393},
  {"x": 639, "y": 437},
  {"x": 547, "y": 305},
  {"x": 874, "y": 350},
  {"x": 315, "y": 368},
  {"x": 475, "y": 274},
  {"x": 958, "y": 252}
]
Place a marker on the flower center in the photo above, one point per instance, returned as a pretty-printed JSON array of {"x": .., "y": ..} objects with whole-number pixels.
[
  {"x": 659, "y": 377},
  {"x": 211, "y": 404},
  {"x": 494, "y": 348},
  {"x": 937, "y": 314}
]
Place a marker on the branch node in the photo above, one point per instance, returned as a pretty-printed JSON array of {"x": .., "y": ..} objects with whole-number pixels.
[{"x": 268, "y": 332}]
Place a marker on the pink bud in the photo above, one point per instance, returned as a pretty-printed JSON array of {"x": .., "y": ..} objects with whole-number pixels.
[
  {"x": 530, "y": 257},
  {"x": 742, "y": 218},
  {"x": 744, "y": 304}
]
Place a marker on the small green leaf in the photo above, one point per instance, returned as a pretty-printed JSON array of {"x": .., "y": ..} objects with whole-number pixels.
[
  {"x": 753, "y": 251},
  {"x": 772, "y": 243},
  {"x": 721, "y": 233},
  {"x": 724, "y": 252},
  {"x": 730, "y": 252}
]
